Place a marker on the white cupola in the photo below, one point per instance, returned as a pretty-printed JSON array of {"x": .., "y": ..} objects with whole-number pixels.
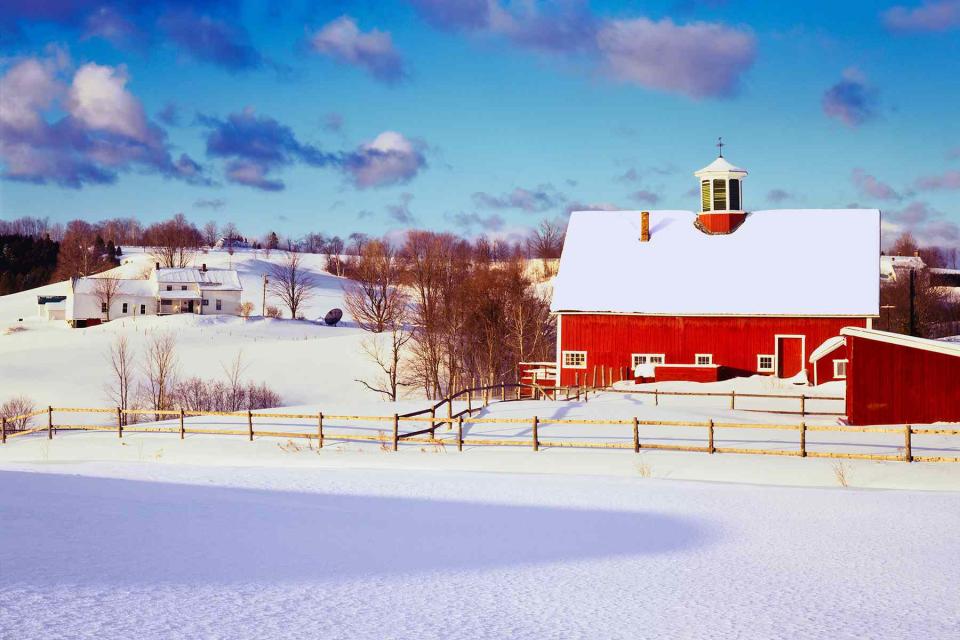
[{"x": 721, "y": 195}]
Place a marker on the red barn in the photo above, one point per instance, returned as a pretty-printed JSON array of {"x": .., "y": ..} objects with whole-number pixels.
[
  {"x": 714, "y": 294},
  {"x": 897, "y": 379}
]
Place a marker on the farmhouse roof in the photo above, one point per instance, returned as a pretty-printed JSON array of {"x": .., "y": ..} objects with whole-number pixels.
[
  {"x": 125, "y": 287},
  {"x": 220, "y": 279},
  {"x": 814, "y": 262}
]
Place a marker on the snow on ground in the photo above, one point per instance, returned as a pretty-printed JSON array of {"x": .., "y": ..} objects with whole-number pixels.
[{"x": 160, "y": 551}]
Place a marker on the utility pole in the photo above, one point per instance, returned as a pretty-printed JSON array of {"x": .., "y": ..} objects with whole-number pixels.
[
  {"x": 263, "y": 304},
  {"x": 913, "y": 321}
]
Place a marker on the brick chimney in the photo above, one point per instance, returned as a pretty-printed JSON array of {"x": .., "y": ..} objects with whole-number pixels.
[{"x": 644, "y": 226}]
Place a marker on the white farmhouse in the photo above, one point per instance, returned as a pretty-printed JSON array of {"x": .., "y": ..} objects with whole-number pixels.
[{"x": 165, "y": 292}]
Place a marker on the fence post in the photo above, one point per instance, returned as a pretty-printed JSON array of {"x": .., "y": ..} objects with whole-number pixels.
[
  {"x": 3, "y": 438},
  {"x": 320, "y": 429},
  {"x": 433, "y": 425},
  {"x": 803, "y": 405},
  {"x": 710, "y": 436},
  {"x": 449, "y": 413},
  {"x": 49, "y": 422},
  {"x": 908, "y": 443},
  {"x": 119, "y": 424},
  {"x": 594, "y": 385},
  {"x": 250, "y": 424},
  {"x": 536, "y": 440},
  {"x": 656, "y": 398},
  {"x": 503, "y": 391},
  {"x": 486, "y": 396},
  {"x": 470, "y": 401},
  {"x": 183, "y": 431},
  {"x": 460, "y": 433},
  {"x": 636, "y": 435},
  {"x": 396, "y": 430},
  {"x": 733, "y": 400},
  {"x": 803, "y": 439}
]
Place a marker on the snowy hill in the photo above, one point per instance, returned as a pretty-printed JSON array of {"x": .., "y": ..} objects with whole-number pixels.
[{"x": 53, "y": 364}]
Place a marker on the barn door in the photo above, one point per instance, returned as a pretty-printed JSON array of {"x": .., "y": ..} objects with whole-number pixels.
[{"x": 789, "y": 356}]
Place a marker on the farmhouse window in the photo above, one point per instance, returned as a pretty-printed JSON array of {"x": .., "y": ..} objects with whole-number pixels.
[
  {"x": 143, "y": 309},
  {"x": 169, "y": 287},
  {"x": 124, "y": 307},
  {"x": 103, "y": 307},
  {"x": 165, "y": 303},
  {"x": 647, "y": 358},
  {"x": 205, "y": 302},
  {"x": 704, "y": 358},
  {"x": 765, "y": 363},
  {"x": 219, "y": 305},
  {"x": 840, "y": 368},
  {"x": 183, "y": 287},
  {"x": 575, "y": 359}
]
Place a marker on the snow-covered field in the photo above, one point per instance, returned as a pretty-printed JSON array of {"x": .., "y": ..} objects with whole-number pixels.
[
  {"x": 216, "y": 537},
  {"x": 162, "y": 551}
]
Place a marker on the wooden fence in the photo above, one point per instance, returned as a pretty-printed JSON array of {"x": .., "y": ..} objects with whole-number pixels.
[{"x": 485, "y": 395}]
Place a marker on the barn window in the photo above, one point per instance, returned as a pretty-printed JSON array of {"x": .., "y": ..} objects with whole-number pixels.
[
  {"x": 765, "y": 363},
  {"x": 647, "y": 358},
  {"x": 840, "y": 368},
  {"x": 575, "y": 359},
  {"x": 704, "y": 358},
  {"x": 124, "y": 307},
  {"x": 705, "y": 195},
  {"x": 719, "y": 195},
  {"x": 735, "y": 195}
]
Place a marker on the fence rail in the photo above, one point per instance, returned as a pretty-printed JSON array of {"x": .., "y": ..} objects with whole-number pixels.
[{"x": 465, "y": 417}]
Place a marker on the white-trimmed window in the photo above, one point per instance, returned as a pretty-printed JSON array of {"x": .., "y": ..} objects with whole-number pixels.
[
  {"x": 574, "y": 359},
  {"x": 647, "y": 358},
  {"x": 840, "y": 368},
  {"x": 219, "y": 305},
  {"x": 765, "y": 363},
  {"x": 124, "y": 307},
  {"x": 704, "y": 358},
  {"x": 143, "y": 309}
]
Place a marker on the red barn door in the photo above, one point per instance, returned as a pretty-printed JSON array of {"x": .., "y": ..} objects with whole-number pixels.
[{"x": 789, "y": 356}]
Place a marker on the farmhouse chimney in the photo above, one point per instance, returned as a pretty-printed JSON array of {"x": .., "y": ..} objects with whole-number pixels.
[{"x": 644, "y": 226}]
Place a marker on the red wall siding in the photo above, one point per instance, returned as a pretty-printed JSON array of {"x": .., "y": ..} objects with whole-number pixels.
[
  {"x": 666, "y": 373},
  {"x": 825, "y": 364},
  {"x": 609, "y": 340},
  {"x": 893, "y": 384}
]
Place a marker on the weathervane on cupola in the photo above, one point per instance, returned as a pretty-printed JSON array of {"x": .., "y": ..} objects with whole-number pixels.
[{"x": 721, "y": 195}]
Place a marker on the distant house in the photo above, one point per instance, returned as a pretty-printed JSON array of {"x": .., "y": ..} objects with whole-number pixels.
[
  {"x": 165, "y": 292},
  {"x": 51, "y": 307},
  {"x": 893, "y": 267},
  {"x": 236, "y": 243}
]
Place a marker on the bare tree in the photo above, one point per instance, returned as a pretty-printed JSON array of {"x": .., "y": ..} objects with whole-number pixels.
[
  {"x": 210, "y": 233},
  {"x": 14, "y": 409},
  {"x": 106, "y": 288},
  {"x": 374, "y": 298},
  {"x": 334, "y": 250},
  {"x": 546, "y": 243},
  {"x": 235, "y": 393},
  {"x": 290, "y": 282},
  {"x": 174, "y": 242},
  {"x": 160, "y": 371},
  {"x": 122, "y": 374},
  {"x": 386, "y": 350}
]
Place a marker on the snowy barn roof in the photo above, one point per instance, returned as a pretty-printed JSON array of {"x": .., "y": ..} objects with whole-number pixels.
[
  {"x": 814, "y": 262},
  {"x": 221, "y": 279}
]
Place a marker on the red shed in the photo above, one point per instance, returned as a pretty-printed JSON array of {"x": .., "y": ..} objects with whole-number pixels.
[
  {"x": 714, "y": 294},
  {"x": 897, "y": 379},
  {"x": 829, "y": 361}
]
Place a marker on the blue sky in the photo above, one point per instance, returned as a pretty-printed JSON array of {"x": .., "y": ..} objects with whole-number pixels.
[{"x": 474, "y": 116}]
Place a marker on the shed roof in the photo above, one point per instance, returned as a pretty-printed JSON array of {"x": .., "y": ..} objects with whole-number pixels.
[
  {"x": 912, "y": 342},
  {"x": 814, "y": 262},
  {"x": 829, "y": 346}
]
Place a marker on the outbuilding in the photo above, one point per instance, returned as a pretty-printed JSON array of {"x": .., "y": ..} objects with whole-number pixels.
[{"x": 898, "y": 379}]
